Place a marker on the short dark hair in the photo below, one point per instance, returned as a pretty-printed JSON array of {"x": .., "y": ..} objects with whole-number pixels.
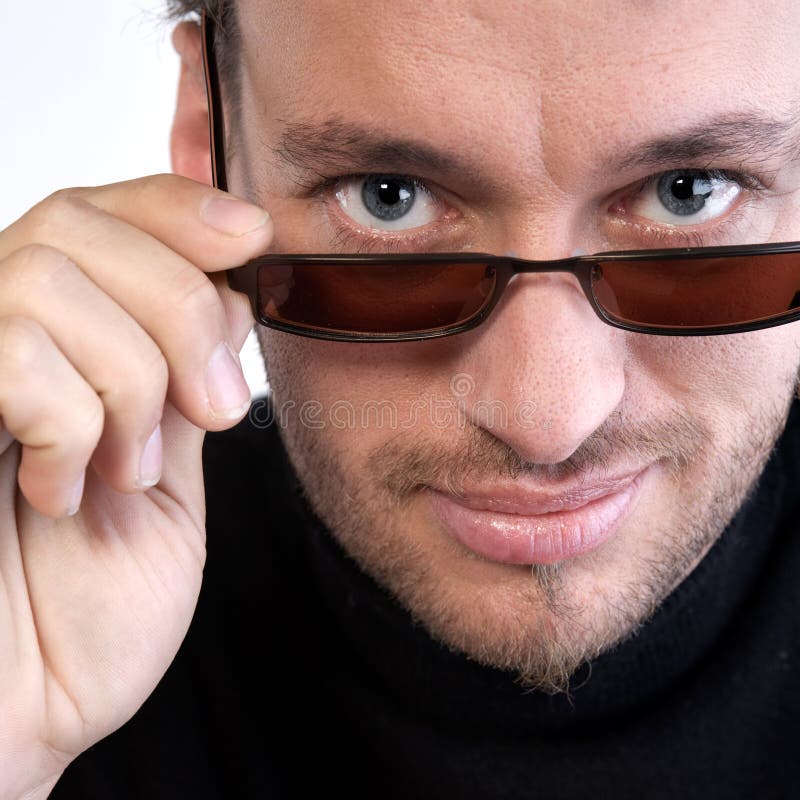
[{"x": 221, "y": 11}]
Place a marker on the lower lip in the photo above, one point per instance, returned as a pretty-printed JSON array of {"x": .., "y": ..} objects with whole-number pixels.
[{"x": 538, "y": 539}]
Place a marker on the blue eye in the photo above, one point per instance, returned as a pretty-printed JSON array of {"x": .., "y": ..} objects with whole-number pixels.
[
  {"x": 684, "y": 197},
  {"x": 388, "y": 197},
  {"x": 684, "y": 192},
  {"x": 390, "y": 203}
]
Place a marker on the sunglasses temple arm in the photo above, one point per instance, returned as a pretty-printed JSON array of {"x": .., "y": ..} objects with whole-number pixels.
[
  {"x": 241, "y": 279},
  {"x": 216, "y": 126}
]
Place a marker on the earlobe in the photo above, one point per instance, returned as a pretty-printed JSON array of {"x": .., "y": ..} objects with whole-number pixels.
[{"x": 189, "y": 140}]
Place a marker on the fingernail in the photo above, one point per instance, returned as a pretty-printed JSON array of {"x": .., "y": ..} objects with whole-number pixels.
[
  {"x": 76, "y": 496},
  {"x": 234, "y": 217},
  {"x": 228, "y": 392},
  {"x": 151, "y": 460}
]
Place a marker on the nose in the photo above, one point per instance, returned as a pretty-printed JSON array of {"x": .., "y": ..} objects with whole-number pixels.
[{"x": 543, "y": 372}]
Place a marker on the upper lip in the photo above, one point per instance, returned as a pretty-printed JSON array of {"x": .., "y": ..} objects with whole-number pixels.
[{"x": 528, "y": 498}]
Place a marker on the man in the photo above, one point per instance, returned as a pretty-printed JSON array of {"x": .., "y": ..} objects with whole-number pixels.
[{"x": 539, "y": 557}]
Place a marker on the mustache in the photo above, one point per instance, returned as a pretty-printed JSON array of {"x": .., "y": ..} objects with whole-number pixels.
[{"x": 404, "y": 463}]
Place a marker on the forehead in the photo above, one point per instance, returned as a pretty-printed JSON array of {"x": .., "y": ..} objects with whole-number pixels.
[{"x": 553, "y": 81}]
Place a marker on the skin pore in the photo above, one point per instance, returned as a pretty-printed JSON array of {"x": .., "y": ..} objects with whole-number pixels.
[{"x": 537, "y": 128}]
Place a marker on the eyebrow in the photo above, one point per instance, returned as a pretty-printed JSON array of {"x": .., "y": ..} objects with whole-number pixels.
[
  {"x": 748, "y": 137},
  {"x": 334, "y": 147}
]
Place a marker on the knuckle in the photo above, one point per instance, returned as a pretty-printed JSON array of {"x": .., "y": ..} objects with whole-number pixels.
[
  {"x": 21, "y": 343},
  {"x": 61, "y": 194},
  {"x": 52, "y": 210},
  {"x": 196, "y": 298},
  {"x": 157, "y": 189},
  {"x": 153, "y": 367},
  {"x": 158, "y": 370},
  {"x": 90, "y": 419},
  {"x": 34, "y": 265},
  {"x": 26, "y": 350},
  {"x": 142, "y": 379},
  {"x": 76, "y": 430},
  {"x": 63, "y": 211},
  {"x": 164, "y": 181}
]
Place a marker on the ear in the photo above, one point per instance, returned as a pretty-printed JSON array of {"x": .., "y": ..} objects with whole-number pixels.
[{"x": 189, "y": 142}]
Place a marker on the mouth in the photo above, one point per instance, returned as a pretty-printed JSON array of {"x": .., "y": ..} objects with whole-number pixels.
[{"x": 510, "y": 525}]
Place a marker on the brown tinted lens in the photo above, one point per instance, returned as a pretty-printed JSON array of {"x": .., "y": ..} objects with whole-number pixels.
[
  {"x": 388, "y": 298},
  {"x": 699, "y": 292}
]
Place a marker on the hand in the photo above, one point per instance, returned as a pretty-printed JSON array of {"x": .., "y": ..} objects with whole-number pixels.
[{"x": 118, "y": 336}]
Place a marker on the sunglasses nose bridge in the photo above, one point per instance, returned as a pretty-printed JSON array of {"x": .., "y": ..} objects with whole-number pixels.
[
  {"x": 578, "y": 268},
  {"x": 523, "y": 266}
]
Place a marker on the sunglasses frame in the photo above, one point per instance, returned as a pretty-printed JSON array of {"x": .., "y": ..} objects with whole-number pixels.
[{"x": 245, "y": 278}]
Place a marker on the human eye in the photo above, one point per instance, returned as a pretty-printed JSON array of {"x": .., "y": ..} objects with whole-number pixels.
[
  {"x": 688, "y": 196},
  {"x": 387, "y": 204},
  {"x": 696, "y": 202}
]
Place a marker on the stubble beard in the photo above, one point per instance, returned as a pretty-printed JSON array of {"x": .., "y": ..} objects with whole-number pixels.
[{"x": 531, "y": 621}]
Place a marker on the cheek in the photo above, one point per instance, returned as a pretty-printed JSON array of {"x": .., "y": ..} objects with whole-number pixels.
[
  {"x": 716, "y": 377},
  {"x": 355, "y": 396},
  {"x": 300, "y": 366}
]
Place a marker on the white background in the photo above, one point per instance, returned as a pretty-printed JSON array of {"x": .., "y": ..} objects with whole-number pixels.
[{"x": 87, "y": 90}]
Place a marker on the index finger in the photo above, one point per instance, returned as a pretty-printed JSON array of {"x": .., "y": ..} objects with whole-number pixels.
[{"x": 209, "y": 227}]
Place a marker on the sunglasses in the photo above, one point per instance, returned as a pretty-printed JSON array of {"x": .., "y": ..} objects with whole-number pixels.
[{"x": 402, "y": 297}]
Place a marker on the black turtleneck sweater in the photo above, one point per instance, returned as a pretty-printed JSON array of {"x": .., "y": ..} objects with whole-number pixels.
[{"x": 300, "y": 675}]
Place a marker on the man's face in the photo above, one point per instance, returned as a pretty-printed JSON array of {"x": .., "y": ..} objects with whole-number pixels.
[{"x": 549, "y": 121}]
